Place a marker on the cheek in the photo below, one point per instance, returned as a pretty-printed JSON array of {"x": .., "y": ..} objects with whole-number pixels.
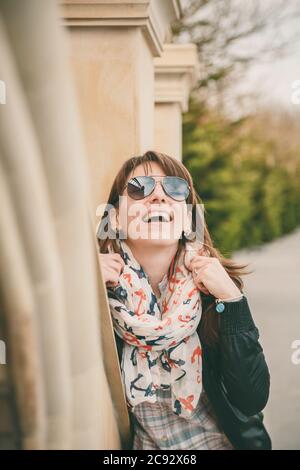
[
  {"x": 130, "y": 211},
  {"x": 123, "y": 211}
]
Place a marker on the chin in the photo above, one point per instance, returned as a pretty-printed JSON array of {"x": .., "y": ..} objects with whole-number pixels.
[
  {"x": 156, "y": 236},
  {"x": 158, "y": 242}
]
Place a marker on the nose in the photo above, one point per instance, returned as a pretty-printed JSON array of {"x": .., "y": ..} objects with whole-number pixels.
[{"x": 158, "y": 193}]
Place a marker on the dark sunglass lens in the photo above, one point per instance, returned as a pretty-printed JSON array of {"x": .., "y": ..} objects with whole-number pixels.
[
  {"x": 177, "y": 188},
  {"x": 140, "y": 187}
]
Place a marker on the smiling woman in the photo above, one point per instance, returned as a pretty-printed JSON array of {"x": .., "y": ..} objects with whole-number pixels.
[
  {"x": 163, "y": 283},
  {"x": 151, "y": 184}
]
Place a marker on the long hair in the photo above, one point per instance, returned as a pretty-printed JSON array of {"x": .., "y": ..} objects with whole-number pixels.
[{"x": 209, "y": 326}]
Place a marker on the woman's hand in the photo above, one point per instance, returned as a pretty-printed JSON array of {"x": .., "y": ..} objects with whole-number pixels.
[
  {"x": 112, "y": 265},
  {"x": 209, "y": 275}
]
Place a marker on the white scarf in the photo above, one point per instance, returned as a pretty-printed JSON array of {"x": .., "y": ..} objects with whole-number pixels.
[{"x": 161, "y": 346}]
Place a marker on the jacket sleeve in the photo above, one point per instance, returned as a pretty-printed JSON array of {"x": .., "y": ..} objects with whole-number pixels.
[{"x": 242, "y": 362}]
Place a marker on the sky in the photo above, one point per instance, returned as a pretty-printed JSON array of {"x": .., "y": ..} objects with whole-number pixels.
[{"x": 272, "y": 81}]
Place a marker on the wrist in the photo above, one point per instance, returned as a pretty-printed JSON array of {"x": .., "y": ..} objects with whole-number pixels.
[
  {"x": 236, "y": 318},
  {"x": 220, "y": 301},
  {"x": 230, "y": 295},
  {"x": 230, "y": 299}
]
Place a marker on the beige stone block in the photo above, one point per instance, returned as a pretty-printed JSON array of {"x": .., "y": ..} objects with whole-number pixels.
[
  {"x": 168, "y": 129},
  {"x": 113, "y": 70},
  {"x": 176, "y": 73}
]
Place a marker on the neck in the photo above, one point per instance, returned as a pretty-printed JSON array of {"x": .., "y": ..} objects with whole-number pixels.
[{"x": 155, "y": 260}]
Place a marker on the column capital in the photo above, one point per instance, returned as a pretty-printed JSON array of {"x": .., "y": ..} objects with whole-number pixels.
[
  {"x": 152, "y": 16},
  {"x": 176, "y": 73}
]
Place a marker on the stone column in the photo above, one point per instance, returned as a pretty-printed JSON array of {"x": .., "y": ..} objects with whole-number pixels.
[
  {"x": 112, "y": 50},
  {"x": 176, "y": 73}
]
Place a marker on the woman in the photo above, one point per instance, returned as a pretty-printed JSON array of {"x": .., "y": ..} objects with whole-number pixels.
[{"x": 194, "y": 373}]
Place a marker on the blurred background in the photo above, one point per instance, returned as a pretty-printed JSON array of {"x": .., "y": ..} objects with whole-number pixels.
[
  {"x": 241, "y": 142},
  {"x": 84, "y": 85}
]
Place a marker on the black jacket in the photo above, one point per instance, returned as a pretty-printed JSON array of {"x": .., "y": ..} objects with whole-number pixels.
[{"x": 235, "y": 376}]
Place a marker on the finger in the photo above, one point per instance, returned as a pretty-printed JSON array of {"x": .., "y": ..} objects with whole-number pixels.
[
  {"x": 198, "y": 274},
  {"x": 112, "y": 277},
  {"x": 108, "y": 259},
  {"x": 200, "y": 284},
  {"x": 115, "y": 269},
  {"x": 111, "y": 283},
  {"x": 196, "y": 258},
  {"x": 204, "y": 290},
  {"x": 200, "y": 261},
  {"x": 203, "y": 251},
  {"x": 201, "y": 257},
  {"x": 117, "y": 257},
  {"x": 112, "y": 266},
  {"x": 115, "y": 264}
]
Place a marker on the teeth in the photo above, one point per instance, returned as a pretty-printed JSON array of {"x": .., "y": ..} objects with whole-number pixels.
[{"x": 157, "y": 216}]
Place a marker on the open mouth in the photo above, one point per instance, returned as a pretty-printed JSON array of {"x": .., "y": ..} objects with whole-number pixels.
[{"x": 157, "y": 217}]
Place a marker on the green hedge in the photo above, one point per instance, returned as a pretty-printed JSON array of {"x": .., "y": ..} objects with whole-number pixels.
[{"x": 249, "y": 200}]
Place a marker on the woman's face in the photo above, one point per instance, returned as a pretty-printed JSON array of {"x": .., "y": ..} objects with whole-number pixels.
[{"x": 134, "y": 214}]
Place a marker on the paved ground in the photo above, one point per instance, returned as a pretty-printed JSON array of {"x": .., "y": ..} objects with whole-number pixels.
[{"x": 273, "y": 293}]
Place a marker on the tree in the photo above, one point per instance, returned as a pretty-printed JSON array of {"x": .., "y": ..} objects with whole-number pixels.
[
  {"x": 231, "y": 35},
  {"x": 246, "y": 169},
  {"x": 250, "y": 195}
]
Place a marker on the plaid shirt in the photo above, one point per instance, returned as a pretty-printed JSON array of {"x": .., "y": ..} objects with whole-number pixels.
[{"x": 156, "y": 426}]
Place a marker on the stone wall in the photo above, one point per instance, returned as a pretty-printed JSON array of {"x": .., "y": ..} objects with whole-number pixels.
[{"x": 88, "y": 85}]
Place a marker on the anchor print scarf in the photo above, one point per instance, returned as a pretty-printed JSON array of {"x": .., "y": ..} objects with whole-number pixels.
[{"x": 161, "y": 346}]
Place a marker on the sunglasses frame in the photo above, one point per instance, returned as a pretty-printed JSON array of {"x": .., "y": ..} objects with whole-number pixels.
[{"x": 156, "y": 181}]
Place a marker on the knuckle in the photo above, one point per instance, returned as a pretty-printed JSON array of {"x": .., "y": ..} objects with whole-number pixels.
[{"x": 119, "y": 258}]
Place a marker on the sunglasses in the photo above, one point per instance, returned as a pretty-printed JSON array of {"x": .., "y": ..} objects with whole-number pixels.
[{"x": 142, "y": 186}]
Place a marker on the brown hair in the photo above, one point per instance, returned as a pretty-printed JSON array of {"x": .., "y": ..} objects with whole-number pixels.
[{"x": 209, "y": 326}]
